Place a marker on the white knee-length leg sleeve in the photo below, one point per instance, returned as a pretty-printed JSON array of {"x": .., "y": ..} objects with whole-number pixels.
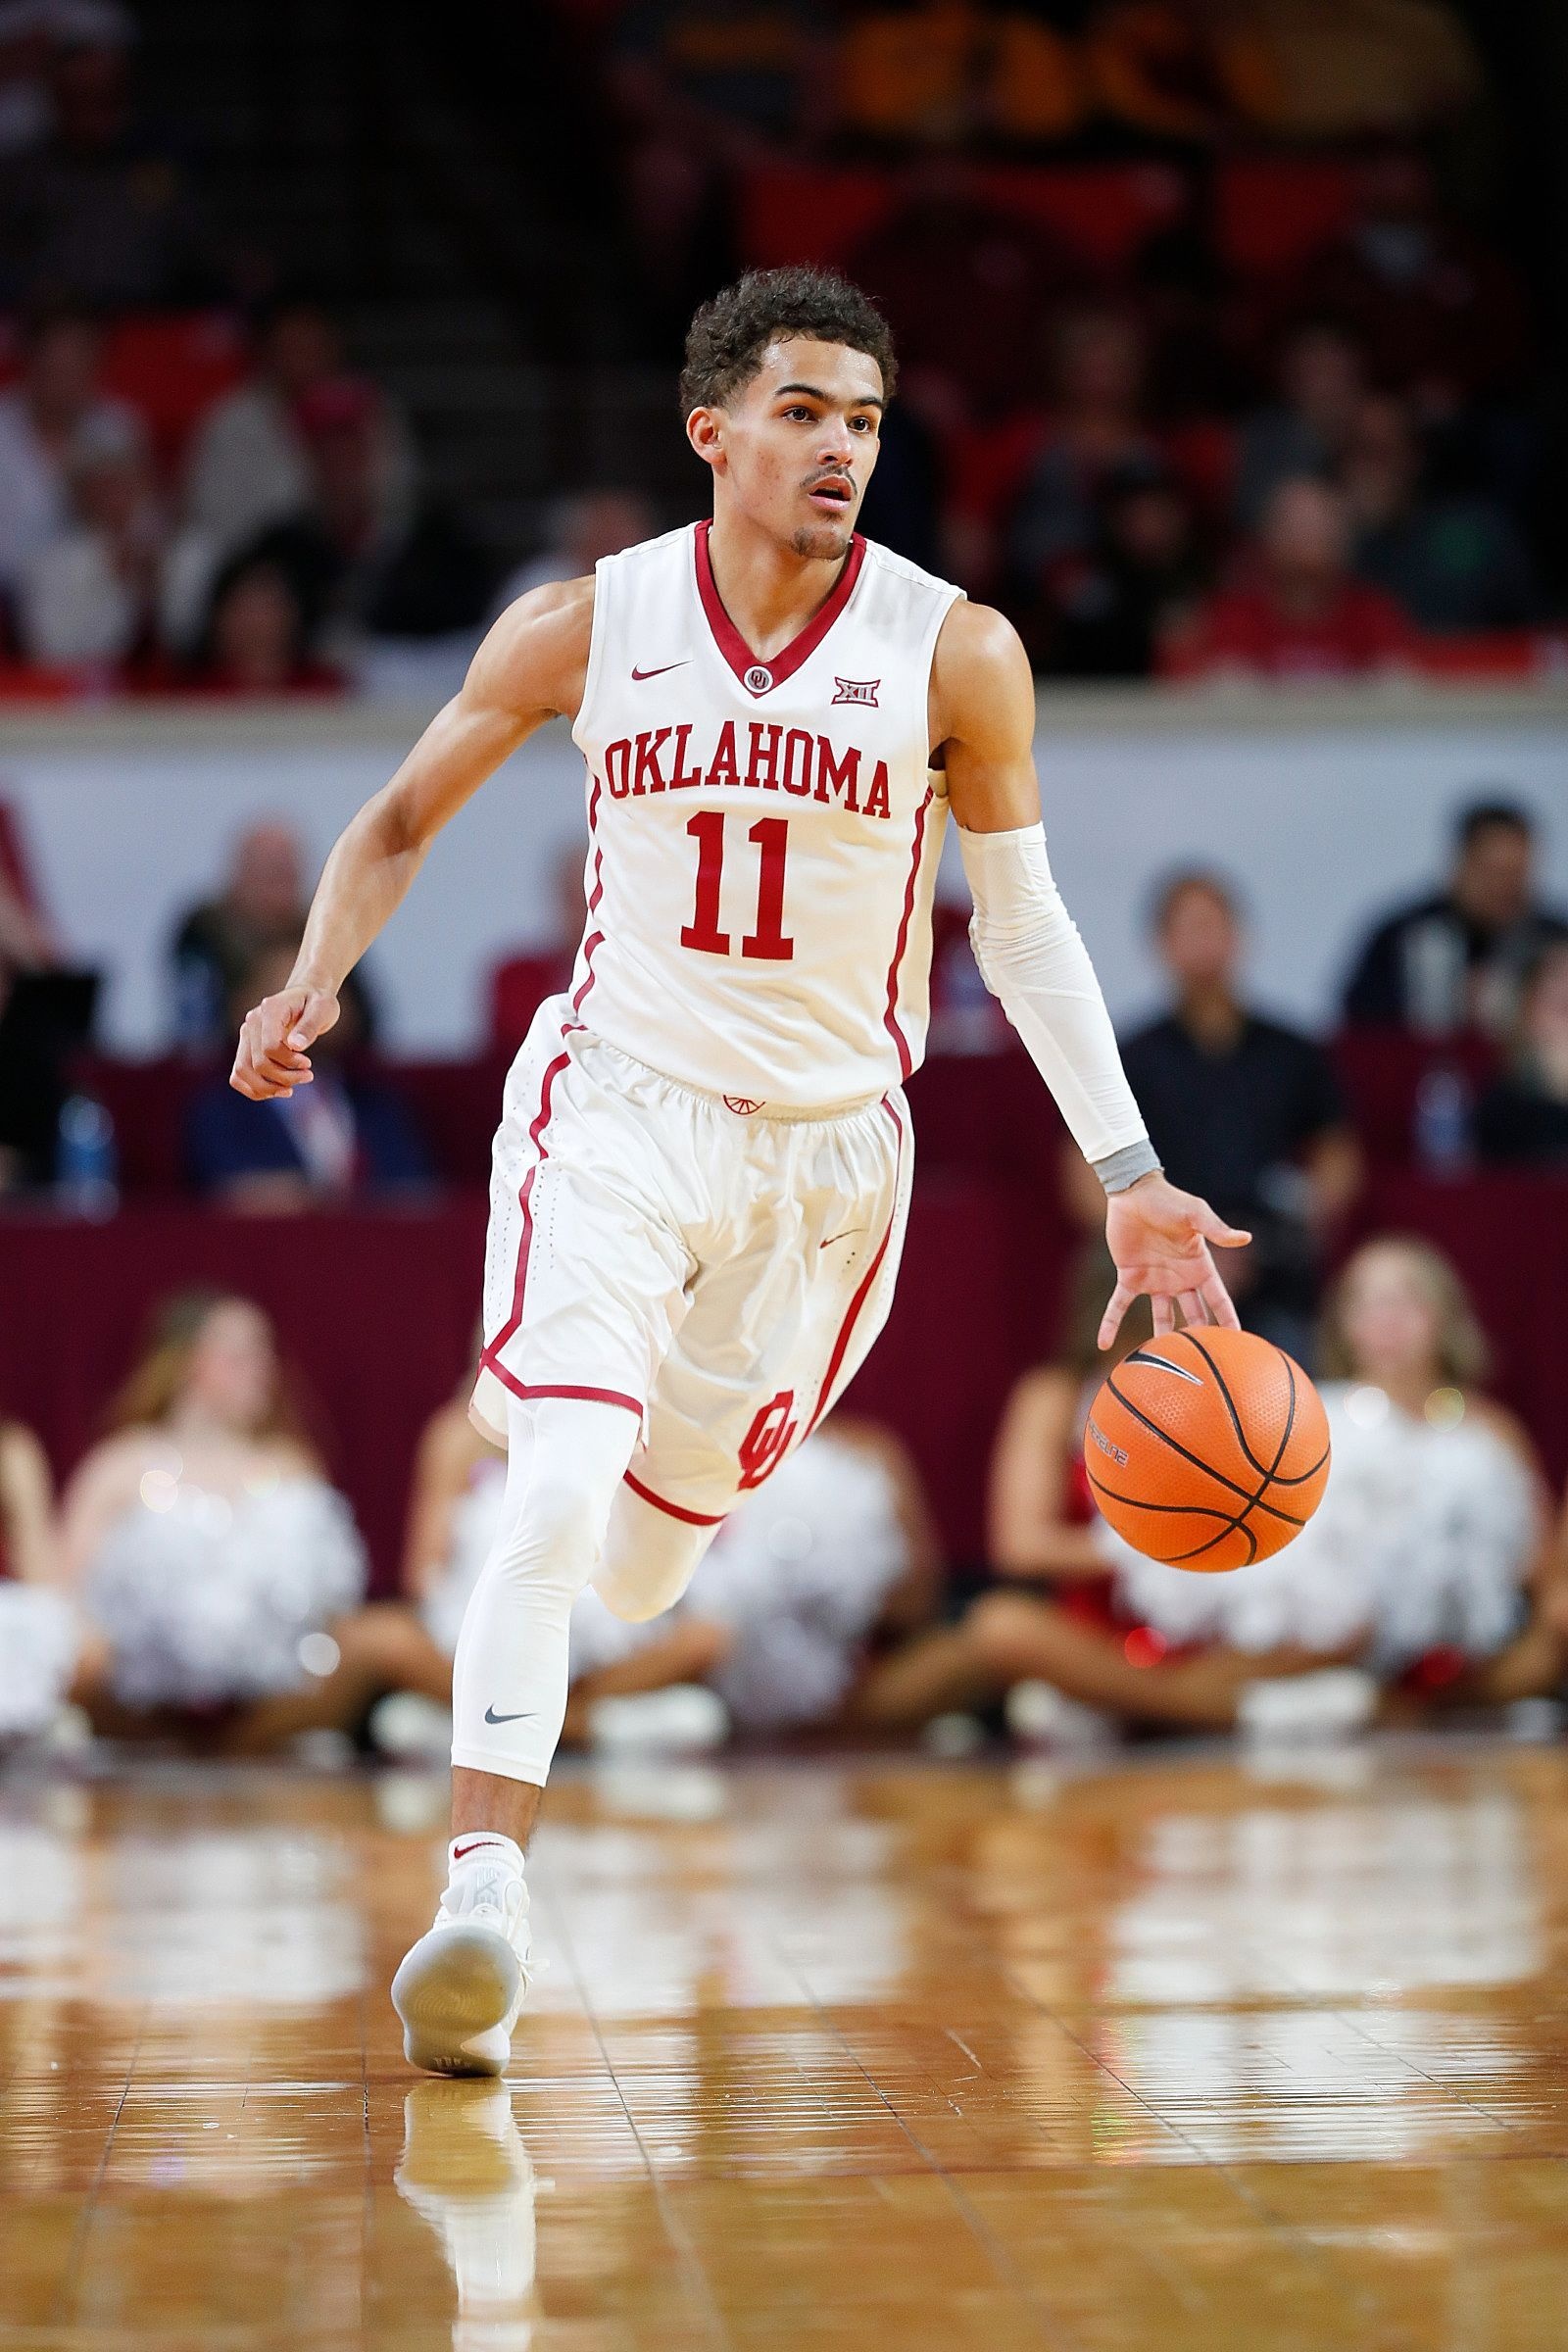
[
  {"x": 565, "y": 1459},
  {"x": 650, "y": 1557}
]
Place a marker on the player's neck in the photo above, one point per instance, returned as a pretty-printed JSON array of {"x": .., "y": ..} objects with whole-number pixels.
[{"x": 769, "y": 592}]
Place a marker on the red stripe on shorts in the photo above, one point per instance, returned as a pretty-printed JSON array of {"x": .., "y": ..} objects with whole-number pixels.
[
  {"x": 673, "y": 1510},
  {"x": 595, "y": 939},
  {"x": 529, "y": 1389},
  {"x": 841, "y": 1343},
  {"x": 891, "y": 1017}
]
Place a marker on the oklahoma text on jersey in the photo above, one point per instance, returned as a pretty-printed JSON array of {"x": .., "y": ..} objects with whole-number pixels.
[
  {"x": 790, "y": 759},
  {"x": 764, "y": 834}
]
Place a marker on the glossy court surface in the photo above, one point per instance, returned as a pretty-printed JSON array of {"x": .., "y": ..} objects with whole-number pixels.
[{"x": 1176, "y": 2054}]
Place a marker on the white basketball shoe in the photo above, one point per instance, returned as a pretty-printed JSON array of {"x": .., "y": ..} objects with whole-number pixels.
[{"x": 459, "y": 1990}]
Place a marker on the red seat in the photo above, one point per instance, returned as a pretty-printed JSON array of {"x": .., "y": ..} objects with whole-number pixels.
[{"x": 171, "y": 368}]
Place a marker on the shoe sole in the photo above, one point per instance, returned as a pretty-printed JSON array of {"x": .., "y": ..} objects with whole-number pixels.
[{"x": 457, "y": 1993}]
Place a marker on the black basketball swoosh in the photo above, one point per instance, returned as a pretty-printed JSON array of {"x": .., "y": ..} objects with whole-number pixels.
[{"x": 491, "y": 1716}]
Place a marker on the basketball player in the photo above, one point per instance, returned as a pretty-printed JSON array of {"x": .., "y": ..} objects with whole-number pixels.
[{"x": 703, "y": 1166}]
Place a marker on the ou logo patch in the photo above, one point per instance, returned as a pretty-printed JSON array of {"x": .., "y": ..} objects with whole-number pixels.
[
  {"x": 758, "y": 679},
  {"x": 768, "y": 1440}
]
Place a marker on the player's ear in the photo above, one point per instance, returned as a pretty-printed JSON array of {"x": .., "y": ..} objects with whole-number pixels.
[{"x": 705, "y": 430}]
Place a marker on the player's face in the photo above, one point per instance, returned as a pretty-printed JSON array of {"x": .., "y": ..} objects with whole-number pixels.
[{"x": 797, "y": 446}]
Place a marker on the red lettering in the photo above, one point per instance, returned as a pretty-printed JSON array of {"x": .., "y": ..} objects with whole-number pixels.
[
  {"x": 648, "y": 749},
  {"x": 684, "y": 776},
  {"x": 798, "y": 748},
  {"x": 763, "y": 770},
  {"x": 723, "y": 769},
  {"x": 835, "y": 775},
  {"x": 877, "y": 799},
  {"x": 620, "y": 784}
]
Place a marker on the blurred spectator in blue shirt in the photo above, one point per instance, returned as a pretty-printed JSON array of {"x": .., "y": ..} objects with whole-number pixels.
[{"x": 343, "y": 1138}]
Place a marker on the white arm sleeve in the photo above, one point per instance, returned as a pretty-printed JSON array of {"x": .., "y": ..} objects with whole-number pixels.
[{"x": 1034, "y": 962}]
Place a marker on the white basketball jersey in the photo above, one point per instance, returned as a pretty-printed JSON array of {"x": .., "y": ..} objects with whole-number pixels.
[{"x": 764, "y": 835}]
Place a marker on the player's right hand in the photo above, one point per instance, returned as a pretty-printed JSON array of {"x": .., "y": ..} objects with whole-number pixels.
[{"x": 272, "y": 1058}]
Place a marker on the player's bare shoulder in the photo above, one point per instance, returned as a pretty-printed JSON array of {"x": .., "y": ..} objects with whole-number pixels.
[
  {"x": 534, "y": 661},
  {"x": 979, "y": 657}
]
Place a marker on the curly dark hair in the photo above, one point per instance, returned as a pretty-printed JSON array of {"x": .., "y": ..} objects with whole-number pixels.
[{"x": 727, "y": 337}]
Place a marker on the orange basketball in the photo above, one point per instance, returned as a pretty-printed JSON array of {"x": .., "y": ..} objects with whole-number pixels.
[{"x": 1207, "y": 1449}]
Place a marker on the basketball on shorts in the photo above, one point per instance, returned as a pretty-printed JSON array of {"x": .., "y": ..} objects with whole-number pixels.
[{"x": 1207, "y": 1449}]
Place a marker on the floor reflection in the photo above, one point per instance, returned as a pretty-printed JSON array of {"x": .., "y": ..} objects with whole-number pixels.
[{"x": 822, "y": 2057}]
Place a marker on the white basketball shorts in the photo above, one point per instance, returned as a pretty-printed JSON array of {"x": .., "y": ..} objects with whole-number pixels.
[{"x": 717, "y": 1269}]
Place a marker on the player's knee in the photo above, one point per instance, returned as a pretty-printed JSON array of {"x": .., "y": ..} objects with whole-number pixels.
[
  {"x": 636, "y": 1598},
  {"x": 557, "y": 1533}
]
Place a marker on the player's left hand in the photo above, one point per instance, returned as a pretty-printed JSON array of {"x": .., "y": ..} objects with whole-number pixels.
[{"x": 1159, "y": 1240}]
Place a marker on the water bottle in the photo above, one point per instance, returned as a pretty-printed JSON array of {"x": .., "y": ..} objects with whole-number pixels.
[
  {"x": 86, "y": 1163},
  {"x": 1443, "y": 1122}
]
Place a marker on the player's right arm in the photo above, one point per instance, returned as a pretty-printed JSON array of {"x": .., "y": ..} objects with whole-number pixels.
[{"x": 529, "y": 669}]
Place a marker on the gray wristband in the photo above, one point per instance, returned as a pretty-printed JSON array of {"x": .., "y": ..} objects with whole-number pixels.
[{"x": 1122, "y": 1168}]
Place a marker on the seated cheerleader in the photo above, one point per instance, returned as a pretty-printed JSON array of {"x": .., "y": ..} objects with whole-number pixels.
[
  {"x": 224, "y": 1573},
  {"x": 1426, "y": 1565},
  {"x": 47, "y": 1658},
  {"x": 453, "y": 1517},
  {"x": 830, "y": 1554}
]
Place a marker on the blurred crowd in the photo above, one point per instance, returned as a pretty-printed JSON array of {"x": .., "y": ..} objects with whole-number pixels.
[
  {"x": 1450, "y": 1051},
  {"x": 1177, "y": 419}
]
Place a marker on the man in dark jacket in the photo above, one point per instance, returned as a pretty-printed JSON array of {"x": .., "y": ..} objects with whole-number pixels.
[{"x": 1457, "y": 959}]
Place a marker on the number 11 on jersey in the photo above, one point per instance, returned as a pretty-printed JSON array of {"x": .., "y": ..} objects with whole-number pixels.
[{"x": 766, "y": 942}]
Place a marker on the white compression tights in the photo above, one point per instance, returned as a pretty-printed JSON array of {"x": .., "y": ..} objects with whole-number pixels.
[{"x": 567, "y": 1519}]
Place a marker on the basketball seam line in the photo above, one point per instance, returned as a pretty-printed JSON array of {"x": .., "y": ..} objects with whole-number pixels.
[
  {"x": 1297, "y": 1478},
  {"x": 1197, "y": 1510},
  {"x": 1196, "y": 1460}
]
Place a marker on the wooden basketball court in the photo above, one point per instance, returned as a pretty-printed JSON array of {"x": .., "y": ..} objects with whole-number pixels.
[{"x": 1168, "y": 2056}]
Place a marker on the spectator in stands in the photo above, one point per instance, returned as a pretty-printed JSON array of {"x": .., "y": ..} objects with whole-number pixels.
[
  {"x": 250, "y": 465},
  {"x": 1453, "y": 561},
  {"x": 1096, "y": 430},
  {"x": 263, "y": 903},
  {"x": 1522, "y": 1120},
  {"x": 581, "y": 528},
  {"x": 1243, "y": 1108},
  {"x": 1132, "y": 588},
  {"x": 256, "y": 636},
  {"x": 521, "y": 985},
  {"x": 102, "y": 207},
  {"x": 100, "y": 595},
  {"x": 372, "y": 571},
  {"x": 56, "y": 403},
  {"x": 1298, "y": 612},
  {"x": 224, "y": 1571},
  {"x": 705, "y": 87},
  {"x": 950, "y": 253},
  {"x": 1457, "y": 959},
  {"x": 1438, "y": 315},
  {"x": 1321, "y": 381},
  {"x": 26, "y": 108},
  {"x": 345, "y": 1137}
]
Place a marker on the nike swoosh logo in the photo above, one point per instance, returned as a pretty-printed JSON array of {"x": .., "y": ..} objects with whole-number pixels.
[
  {"x": 458, "y": 1851},
  {"x": 640, "y": 674},
  {"x": 840, "y": 1236},
  {"x": 491, "y": 1716}
]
